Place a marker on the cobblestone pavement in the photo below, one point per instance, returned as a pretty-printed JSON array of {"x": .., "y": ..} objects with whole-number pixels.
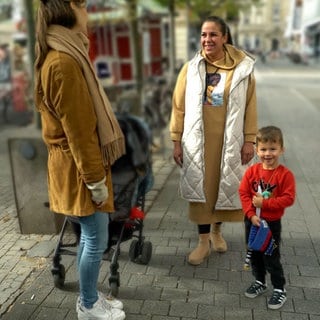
[
  {"x": 23, "y": 257},
  {"x": 169, "y": 288}
]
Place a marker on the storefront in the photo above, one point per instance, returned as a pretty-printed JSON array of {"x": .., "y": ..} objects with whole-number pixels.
[
  {"x": 15, "y": 77},
  {"x": 313, "y": 35},
  {"x": 111, "y": 46}
]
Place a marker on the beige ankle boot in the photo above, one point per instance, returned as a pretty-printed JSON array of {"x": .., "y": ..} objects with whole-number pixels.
[
  {"x": 202, "y": 251},
  {"x": 218, "y": 243}
]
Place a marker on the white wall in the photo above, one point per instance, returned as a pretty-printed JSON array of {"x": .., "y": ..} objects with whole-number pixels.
[{"x": 311, "y": 11}]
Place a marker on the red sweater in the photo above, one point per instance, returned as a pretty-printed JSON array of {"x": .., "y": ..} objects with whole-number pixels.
[{"x": 279, "y": 182}]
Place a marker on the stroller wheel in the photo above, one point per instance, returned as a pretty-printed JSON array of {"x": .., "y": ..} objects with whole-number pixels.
[
  {"x": 59, "y": 275},
  {"x": 114, "y": 289},
  {"x": 134, "y": 250},
  {"x": 146, "y": 252}
]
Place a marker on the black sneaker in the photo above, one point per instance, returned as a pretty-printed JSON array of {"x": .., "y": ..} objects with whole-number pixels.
[
  {"x": 256, "y": 289},
  {"x": 278, "y": 299}
]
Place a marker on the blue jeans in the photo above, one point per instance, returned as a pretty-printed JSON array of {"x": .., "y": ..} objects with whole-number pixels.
[{"x": 93, "y": 243}]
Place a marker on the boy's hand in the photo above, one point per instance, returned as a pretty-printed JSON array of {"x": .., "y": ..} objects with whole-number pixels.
[
  {"x": 257, "y": 200},
  {"x": 255, "y": 220}
]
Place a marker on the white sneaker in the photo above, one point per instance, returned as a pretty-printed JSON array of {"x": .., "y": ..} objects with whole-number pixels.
[
  {"x": 99, "y": 311},
  {"x": 112, "y": 302},
  {"x": 117, "y": 314}
]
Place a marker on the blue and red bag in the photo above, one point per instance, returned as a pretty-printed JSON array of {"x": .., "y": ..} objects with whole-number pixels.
[{"x": 260, "y": 238}]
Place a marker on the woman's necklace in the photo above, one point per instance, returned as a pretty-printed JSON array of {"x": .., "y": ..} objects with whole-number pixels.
[
  {"x": 212, "y": 78},
  {"x": 212, "y": 73}
]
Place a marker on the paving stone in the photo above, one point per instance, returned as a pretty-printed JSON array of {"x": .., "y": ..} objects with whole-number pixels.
[
  {"x": 165, "y": 318},
  {"x": 141, "y": 280},
  {"x": 20, "y": 312},
  {"x": 218, "y": 286},
  {"x": 148, "y": 293},
  {"x": 201, "y": 297},
  {"x": 183, "y": 309},
  {"x": 238, "y": 314},
  {"x": 266, "y": 314},
  {"x": 312, "y": 294},
  {"x": 228, "y": 300},
  {"x": 153, "y": 307},
  {"x": 294, "y": 316},
  {"x": 207, "y": 312},
  {"x": 42, "y": 249},
  {"x": 51, "y": 314},
  {"x": 306, "y": 282},
  {"x": 165, "y": 281},
  {"x": 307, "y": 306},
  {"x": 258, "y": 303},
  {"x": 165, "y": 250}
]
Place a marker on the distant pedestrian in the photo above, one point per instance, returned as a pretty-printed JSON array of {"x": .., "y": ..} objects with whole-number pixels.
[
  {"x": 213, "y": 128},
  {"x": 5, "y": 81},
  {"x": 83, "y": 138},
  {"x": 276, "y": 184}
]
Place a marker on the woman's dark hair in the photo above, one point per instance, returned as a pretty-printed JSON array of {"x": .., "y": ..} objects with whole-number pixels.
[
  {"x": 51, "y": 12},
  {"x": 224, "y": 28}
]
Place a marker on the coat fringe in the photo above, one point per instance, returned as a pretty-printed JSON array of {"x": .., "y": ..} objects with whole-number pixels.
[{"x": 113, "y": 151}]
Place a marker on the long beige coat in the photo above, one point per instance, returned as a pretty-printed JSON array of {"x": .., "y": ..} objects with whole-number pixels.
[
  {"x": 74, "y": 156},
  {"x": 214, "y": 127}
]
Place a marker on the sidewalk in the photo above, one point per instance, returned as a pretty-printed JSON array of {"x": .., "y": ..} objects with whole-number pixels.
[
  {"x": 284, "y": 62},
  {"x": 169, "y": 288},
  {"x": 24, "y": 258}
]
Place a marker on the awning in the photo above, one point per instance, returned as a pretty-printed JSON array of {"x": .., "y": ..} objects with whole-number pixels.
[
  {"x": 311, "y": 24},
  {"x": 120, "y": 12}
]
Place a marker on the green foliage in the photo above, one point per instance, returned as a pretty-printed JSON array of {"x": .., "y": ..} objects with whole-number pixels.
[{"x": 200, "y": 9}]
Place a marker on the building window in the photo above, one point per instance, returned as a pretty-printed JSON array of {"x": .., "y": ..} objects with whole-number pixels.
[
  {"x": 297, "y": 16},
  {"x": 276, "y": 12}
]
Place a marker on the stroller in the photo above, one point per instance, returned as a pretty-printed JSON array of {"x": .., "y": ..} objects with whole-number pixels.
[{"x": 132, "y": 178}]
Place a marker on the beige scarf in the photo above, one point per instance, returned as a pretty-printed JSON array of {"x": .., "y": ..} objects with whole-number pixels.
[{"x": 110, "y": 135}]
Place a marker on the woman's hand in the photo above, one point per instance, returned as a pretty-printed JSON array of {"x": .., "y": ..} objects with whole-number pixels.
[
  {"x": 247, "y": 152},
  {"x": 100, "y": 204},
  {"x": 177, "y": 153},
  {"x": 99, "y": 192}
]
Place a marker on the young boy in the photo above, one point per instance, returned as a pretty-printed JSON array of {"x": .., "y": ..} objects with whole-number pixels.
[{"x": 277, "y": 193}]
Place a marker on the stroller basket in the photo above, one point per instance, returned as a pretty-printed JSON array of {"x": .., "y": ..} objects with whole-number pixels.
[{"x": 132, "y": 178}]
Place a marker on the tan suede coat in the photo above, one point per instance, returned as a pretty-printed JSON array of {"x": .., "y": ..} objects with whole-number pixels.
[{"x": 69, "y": 131}]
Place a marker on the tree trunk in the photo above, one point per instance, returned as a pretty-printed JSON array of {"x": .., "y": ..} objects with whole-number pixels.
[
  {"x": 137, "y": 50},
  {"x": 28, "y": 8},
  {"x": 172, "y": 47}
]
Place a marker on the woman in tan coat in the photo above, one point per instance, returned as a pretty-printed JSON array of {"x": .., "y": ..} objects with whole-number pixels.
[
  {"x": 213, "y": 127},
  {"x": 83, "y": 139}
]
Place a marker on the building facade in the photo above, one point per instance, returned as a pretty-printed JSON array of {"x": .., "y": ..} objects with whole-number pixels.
[
  {"x": 303, "y": 29},
  {"x": 261, "y": 28}
]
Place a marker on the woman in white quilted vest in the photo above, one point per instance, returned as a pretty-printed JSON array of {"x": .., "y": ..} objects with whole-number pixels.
[{"x": 213, "y": 127}]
